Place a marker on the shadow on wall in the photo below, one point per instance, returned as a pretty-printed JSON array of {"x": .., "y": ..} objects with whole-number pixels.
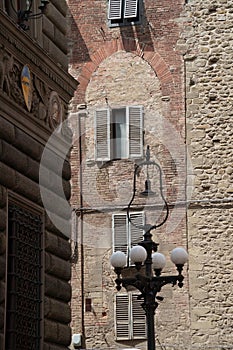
[
  {"x": 139, "y": 33},
  {"x": 76, "y": 44},
  {"x": 134, "y": 37}
]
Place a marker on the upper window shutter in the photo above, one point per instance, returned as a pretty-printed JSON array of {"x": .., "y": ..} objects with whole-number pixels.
[
  {"x": 136, "y": 233},
  {"x": 122, "y": 319},
  {"x": 131, "y": 7},
  {"x": 114, "y": 10},
  {"x": 139, "y": 319},
  {"x": 102, "y": 134},
  {"x": 135, "y": 120},
  {"x": 120, "y": 233}
]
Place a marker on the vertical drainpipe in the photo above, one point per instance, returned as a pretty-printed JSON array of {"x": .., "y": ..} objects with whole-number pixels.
[
  {"x": 186, "y": 181},
  {"x": 81, "y": 113}
]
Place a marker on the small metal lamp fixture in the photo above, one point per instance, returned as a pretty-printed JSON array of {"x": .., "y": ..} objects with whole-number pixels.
[
  {"x": 150, "y": 280},
  {"x": 25, "y": 14}
]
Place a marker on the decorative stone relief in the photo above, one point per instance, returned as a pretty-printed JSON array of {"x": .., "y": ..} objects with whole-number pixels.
[
  {"x": 40, "y": 99},
  {"x": 46, "y": 105},
  {"x": 26, "y": 85},
  {"x": 16, "y": 89},
  {"x": 10, "y": 76},
  {"x": 6, "y": 68},
  {"x": 55, "y": 110}
]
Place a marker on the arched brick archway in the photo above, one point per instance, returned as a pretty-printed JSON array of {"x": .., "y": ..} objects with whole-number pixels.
[{"x": 147, "y": 53}]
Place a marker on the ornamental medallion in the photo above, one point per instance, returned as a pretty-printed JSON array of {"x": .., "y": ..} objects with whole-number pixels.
[{"x": 26, "y": 83}]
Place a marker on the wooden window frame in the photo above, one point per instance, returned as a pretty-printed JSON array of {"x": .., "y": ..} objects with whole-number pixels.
[
  {"x": 124, "y": 12},
  {"x": 104, "y": 145}
]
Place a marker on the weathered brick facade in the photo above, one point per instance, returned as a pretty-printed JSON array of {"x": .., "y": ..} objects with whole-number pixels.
[
  {"x": 177, "y": 65},
  {"x": 128, "y": 65}
]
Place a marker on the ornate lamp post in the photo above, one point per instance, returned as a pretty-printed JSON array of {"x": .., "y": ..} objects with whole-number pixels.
[{"x": 149, "y": 281}]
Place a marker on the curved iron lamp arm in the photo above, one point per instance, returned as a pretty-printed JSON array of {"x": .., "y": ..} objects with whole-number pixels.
[
  {"x": 25, "y": 15},
  {"x": 147, "y": 162},
  {"x": 150, "y": 281},
  {"x": 149, "y": 286}
]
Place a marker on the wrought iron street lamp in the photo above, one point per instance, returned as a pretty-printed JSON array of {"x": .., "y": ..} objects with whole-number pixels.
[
  {"x": 25, "y": 13},
  {"x": 149, "y": 280}
]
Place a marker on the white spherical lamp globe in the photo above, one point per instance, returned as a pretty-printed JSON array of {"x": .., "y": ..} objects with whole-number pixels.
[
  {"x": 158, "y": 261},
  {"x": 118, "y": 259},
  {"x": 179, "y": 256},
  {"x": 138, "y": 254}
]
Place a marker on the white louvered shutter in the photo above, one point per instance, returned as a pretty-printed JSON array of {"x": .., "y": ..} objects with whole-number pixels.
[
  {"x": 114, "y": 10},
  {"x": 131, "y": 8},
  {"x": 138, "y": 318},
  {"x": 136, "y": 234},
  {"x": 102, "y": 134},
  {"x": 122, "y": 317},
  {"x": 120, "y": 233},
  {"x": 135, "y": 121}
]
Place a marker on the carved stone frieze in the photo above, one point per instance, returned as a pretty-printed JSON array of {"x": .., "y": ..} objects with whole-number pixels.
[
  {"x": 10, "y": 76},
  {"x": 47, "y": 107},
  {"x": 40, "y": 100},
  {"x": 34, "y": 89}
]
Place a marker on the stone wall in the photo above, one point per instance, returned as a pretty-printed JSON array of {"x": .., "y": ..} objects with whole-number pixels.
[
  {"x": 116, "y": 67},
  {"x": 209, "y": 89},
  {"x": 26, "y": 125},
  {"x": 3, "y": 262},
  {"x": 54, "y": 27},
  {"x": 20, "y": 174}
]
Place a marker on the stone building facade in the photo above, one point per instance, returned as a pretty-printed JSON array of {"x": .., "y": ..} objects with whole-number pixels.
[
  {"x": 35, "y": 90},
  {"x": 208, "y": 40},
  {"x": 175, "y": 63},
  {"x": 137, "y": 71}
]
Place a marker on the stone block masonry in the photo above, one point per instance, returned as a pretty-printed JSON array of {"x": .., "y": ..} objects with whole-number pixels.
[{"x": 209, "y": 91}]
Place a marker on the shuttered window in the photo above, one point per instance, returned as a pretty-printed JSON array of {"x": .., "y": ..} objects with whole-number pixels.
[
  {"x": 130, "y": 10},
  {"x": 125, "y": 234},
  {"x": 130, "y": 320},
  {"x": 135, "y": 131},
  {"x": 102, "y": 134},
  {"x": 120, "y": 233},
  {"x": 119, "y": 133},
  {"x": 123, "y": 12},
  {"x": 115, "y": 9}
]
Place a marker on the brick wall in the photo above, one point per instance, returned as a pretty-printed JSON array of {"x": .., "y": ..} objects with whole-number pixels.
[
  {"x": 120, "y": 66},
  {"x": 196, "y": 93}
]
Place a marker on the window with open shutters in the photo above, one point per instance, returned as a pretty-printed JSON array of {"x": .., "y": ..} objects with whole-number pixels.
[
  {"x": 130, "y": 321},
  {"x": 123, "y": 12},
  {"x": 125, "y": 234},
  {"x": 119, "y": 133}
]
